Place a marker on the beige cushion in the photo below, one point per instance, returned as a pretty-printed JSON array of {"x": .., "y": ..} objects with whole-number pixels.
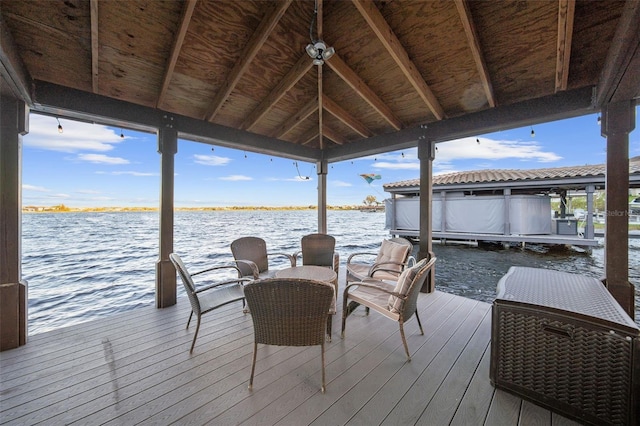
[
  {"x": 403, "y": 285},
  {"x": 393, "y": 252}
]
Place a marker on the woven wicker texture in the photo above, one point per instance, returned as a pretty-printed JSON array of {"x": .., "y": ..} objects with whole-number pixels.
[
  {"x": 289, "y": 312},
  {"x": 562, "y": 290},
  {"x": 572, "y": 368}
]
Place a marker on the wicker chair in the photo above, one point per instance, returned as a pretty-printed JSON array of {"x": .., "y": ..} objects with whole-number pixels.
[
  {"x": 252, "y": 258},
  {"x": 392, "y": 258},
  {"x": 288, "y": 312},
  {"x": 395, "y": 300},
  {"x": 212, "y": 296},
  {"x": 319, "y": 250}
]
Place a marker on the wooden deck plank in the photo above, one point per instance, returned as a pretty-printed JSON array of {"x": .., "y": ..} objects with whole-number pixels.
[
  {"x": 386, "y": 398},
  {"x": 473, "y": 408},
  {"x": 443, "y": 406},
  {"x": 368, "y": 373},
  {"x": 135, "y": 368},
  {"x": 411, "y": 406}
]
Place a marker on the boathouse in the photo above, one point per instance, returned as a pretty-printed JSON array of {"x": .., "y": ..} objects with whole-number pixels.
[{"x": 510, "y": 206}]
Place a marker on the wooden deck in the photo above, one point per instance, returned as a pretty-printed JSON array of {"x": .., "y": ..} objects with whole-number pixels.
[{"x": 135, "y": 368}]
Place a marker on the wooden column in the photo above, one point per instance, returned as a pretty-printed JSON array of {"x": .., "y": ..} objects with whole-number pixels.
[
  {"x": 166, "y": 291},
  {"x": 589, "y": 231},
  {"x": 426, "y": 154},
  {"x": 321, "y": 168},
  {"x": 507, "y": 211},
  {"x": 13, "y": 291},
  {"x": 618, "y": 120}
]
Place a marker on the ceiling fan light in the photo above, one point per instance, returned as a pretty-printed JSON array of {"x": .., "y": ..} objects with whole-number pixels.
[
  {"x": 311, "y": 50},
  {"x": 318, "y": 61},
  {"x": 329, "y": 51}
]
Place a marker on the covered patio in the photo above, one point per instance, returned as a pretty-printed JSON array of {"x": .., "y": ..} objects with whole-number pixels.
[{"x": 240, "y": 74}]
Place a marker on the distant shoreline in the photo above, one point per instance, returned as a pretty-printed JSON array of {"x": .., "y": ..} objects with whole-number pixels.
[{"x": 65, "y": 209}]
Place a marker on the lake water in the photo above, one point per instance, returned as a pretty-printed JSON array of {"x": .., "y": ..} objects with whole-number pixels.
[{"x": 85, "y": 266}]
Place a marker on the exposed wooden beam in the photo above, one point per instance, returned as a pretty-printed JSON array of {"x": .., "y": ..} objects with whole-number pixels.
[
  {"x": 75, "y": 104},
  {"x": 293, "y": 121},
  {"x": 354, "y": 81},
  {"x": 620, "y": 79},
  {"x": 12, "y": 69},
  {"x": 95, "y": 51},
  {"x": 309, "y": 136},
  {"x": 294, "y": 75},
  {"x": 320, "y": 74},
  {"x": 562, "y": 105},
  {"x": 333, "y": 135},
  {"x": 390, "y": 41},
  {"x": 474, "y": 44},
  {"x": 251, "y": 49},
  {"x": 341, "y": 114},
  {"x": 566, "y": 11},
  {"x": 187, "y": 13}
]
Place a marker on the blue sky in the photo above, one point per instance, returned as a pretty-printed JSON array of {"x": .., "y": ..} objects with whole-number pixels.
[{"x": 91, "y": 165}]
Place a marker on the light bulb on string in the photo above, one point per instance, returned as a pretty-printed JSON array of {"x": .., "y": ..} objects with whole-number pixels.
[
  {"x": 59, "y": 125},
  {"x": 533, "y": 133},
  {"x": 121, "y": 134},
  {"x": 478, "y": 141},
  {"x": 599, "y": 120}
]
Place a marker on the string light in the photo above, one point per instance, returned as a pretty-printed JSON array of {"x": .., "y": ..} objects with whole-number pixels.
[
  {"x": 403, "y": 155},
  {"x": 533, "y": 133},
  {"x": 599, "y": 120},
  {"x": 121, "y": 134},
  {"x": 59, "y": 126},
  {"x": 478, "y": 141},
  {"x": 298, "y": 170}
]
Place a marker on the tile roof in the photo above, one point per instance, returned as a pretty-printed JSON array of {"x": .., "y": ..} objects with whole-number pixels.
[{"x": 515, "y": 175}]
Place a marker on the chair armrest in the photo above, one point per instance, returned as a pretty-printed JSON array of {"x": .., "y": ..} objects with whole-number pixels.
[
  {"x": 336, "y": 262},
  {"x": 372, "y": 286},
  {"x": 385, "y": 267},
  {"x": 292, "y": 259},
  {"x": 254, "y": 268},
  {"x": 359, "y": 254},
  {"x": 216, "y": 268},
  {"x": 295, "y": 256},
  {"x": 240, "y": 281}
]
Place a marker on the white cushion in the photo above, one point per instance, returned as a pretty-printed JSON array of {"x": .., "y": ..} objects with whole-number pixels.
[
  {"x": 393, "y": 252},
  {"x": 403, "y": 284}
]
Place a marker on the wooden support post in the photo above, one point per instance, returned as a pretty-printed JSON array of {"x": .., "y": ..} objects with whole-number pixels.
[
  {"x": 426, "y": 154},
  {"x": 14, "y": 115},
  {"x": 589, "y": 231},
  {"x": 321, "y": 168},
  {"x": 618, "y": 120},
  {"x": 166, "y": 291},
  {"x": 507, "y": 211}
]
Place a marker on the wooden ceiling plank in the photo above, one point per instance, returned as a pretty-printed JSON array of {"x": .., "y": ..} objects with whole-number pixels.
[
  {"x": 619, "y": 79},
  {"x": 187, "y": 13},
  {"x": 392, "y": 44},
  {"x": 253, "y": 46},
  {"x": 566, "y": 11},
  {"x": 341, "y": 114},
  {"x": 93, "y": 8},
  {"x": 333, "y": 135},
  {"x": 294, "y": 75},
  {"x": 474, "y": 44},
  {"x": 12, "y": 68},
  {"x": 354, "y": 81},
  {"x": 297, "y": 118}
]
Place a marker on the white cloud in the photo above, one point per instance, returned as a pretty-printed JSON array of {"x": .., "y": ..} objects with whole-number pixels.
[
  {"x": 404, "y": 165},
  {"x": 102, "y": 159},
  {"x": 340, "y": 183},
  {"x": 490, "y": 149},
  {"x": 211, "y": 160},
  {"x": 26, "y": 187},
  {"x": 236, "y": 178},
  {"x": 76, "y": 136}
]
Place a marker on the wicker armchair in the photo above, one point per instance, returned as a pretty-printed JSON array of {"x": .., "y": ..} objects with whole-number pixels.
[
  {"x": 392, "y": 258},
  {"x": 319, "y": 250},
  {"x": 210, "y": 297},
  {"x": 252, "y": 258},
  {"x": 395, "y": 300},
  {"x": 288, "y": 312}
]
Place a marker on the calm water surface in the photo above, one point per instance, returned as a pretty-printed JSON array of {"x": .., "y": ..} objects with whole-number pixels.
[{"x": 85, "y": 266}]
